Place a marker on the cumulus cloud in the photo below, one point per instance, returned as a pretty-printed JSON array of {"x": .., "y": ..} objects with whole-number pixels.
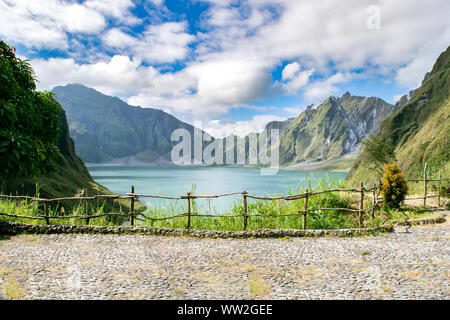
[
  {"x": 43, "y": 24},
  {"x": 118, "y": 39},
  {"x": 165, "y": 42},
  {"x": 119, "y": 75},
  {"x": 230, "y": 81},
  {"x": 162, "y": 43},
  {"x": 293, "y": 78},
  {"x": 323, "y": 88},
  {"x": 235, "y": 51},
  {"x": 412, "y": 73},
  {"x": 224, "y": 127},
  {"x": 118, "y": 9},
  {"x": 201, "y": 90}
]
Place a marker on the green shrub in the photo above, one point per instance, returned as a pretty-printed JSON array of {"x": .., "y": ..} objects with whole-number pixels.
[{"x": 394, "y": 187}]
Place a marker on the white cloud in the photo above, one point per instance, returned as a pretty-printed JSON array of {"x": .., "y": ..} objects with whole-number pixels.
[
  {"x": 319, "y": 32},
  {"x": 293, "y": 78},
  {"x": 166, "y": 42},
  {"x": 411, "y": 75},
  {"x": 118, "y": 9},
  {"x": 119, "y": 75},
  {"x": 201, "y": 90},
  {"x": 323, "y": 88},
  {"x": 44, "y": 23},
  {"x": 163, "y": 43},
  {"x": 290, "y": 70},
  {"x": 223, "y": 128},
  {"x": 236, "y": 52},
  {"x": 230, "y": 81},
  {"x": 119, "y": 39}
]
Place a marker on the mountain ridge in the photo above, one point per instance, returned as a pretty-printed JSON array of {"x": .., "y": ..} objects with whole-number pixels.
[
  {"x": 109, "y": 131},
  {"x": 106, "y": 128},
  {"x": 419, "y": 131}
]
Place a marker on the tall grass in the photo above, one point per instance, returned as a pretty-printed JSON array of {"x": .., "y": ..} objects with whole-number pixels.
[
  {"x": 329, "y": 219},
  {"x": 320, "y": 219},
  {"x": 35, "y": 209}
]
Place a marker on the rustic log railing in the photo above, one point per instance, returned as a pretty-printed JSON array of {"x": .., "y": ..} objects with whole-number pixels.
[{"x": 363, "y": 192}]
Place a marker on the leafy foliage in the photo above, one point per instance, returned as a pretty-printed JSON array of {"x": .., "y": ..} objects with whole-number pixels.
[
  {"x": 29, "y": 121},
  {"x": 394, "y": 187},
  {"x": 378, "y": 152}
]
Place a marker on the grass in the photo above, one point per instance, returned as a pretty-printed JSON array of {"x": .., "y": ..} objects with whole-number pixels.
[
  {"x": 320, "y": 219},
  {"x": 13, "y": 289},
  {"x": 267, "y": 208},
  {"x": 257, "y": 286},
  {"x": 33, "y": 209}
]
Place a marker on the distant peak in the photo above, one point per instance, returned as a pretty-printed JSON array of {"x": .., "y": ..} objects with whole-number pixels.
[
  {"x": 346, "y": 95},
  {"x": 75, "y": 85}
]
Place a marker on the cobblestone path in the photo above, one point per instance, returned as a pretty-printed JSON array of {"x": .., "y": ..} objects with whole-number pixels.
[{"x": 405, "y": 264}]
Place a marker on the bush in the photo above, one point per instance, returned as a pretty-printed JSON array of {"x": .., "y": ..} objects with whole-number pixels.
[{"x": 394, "y": 187}]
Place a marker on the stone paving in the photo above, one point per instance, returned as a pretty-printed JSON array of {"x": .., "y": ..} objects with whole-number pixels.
[{"x": 406, "y": 264}]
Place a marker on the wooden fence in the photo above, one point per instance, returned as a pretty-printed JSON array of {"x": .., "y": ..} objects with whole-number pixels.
[{"x": 372, "y": 192}]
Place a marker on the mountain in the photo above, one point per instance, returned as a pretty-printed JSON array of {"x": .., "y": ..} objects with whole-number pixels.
[
  {"x": 331, "y": 130},
  {"x": 419, "y": 131},
  {"x": 106, "y": 129},
  {"x": 326, "y": 136},
  {"x": 70, "y": 177}
]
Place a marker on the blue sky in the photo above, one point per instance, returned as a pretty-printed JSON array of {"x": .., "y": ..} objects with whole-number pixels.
[{"x": 235, "y": 65}]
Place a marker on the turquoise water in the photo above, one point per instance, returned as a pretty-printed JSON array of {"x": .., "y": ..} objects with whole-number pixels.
[{"x": 176, "y": 181}]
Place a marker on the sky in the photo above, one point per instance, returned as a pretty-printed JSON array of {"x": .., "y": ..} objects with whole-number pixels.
[{"x": 233, "y": 65}]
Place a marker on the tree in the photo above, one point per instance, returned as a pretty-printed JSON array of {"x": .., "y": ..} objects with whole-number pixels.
[
  {"x": 378, "y": 152},
  {"x": 29, "y": 121}
]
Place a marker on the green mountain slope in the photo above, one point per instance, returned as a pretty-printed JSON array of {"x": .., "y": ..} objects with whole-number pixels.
[
  {"x": 326, "y": 136},
  {"x": 332, "y": 129},
  {"x": 420, "y": 130},
  {"x": 105, "y": 128},
  {"x": 70, "y": 178}
]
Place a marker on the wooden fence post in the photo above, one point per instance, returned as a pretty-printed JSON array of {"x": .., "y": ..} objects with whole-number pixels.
[
  {"x": 305, "y": 212},
  {"x": 189, "y": 211},
  {"x": 425, "y": 185},
  {"x": 245, "y": 211},
  {"x": 47, "y": 215},
  {"x": 86, "y": 205},
  {"x": 374, "y": 202},
  {"x": 361, "y": 204},
  {"x": 439, "y": 190},
  {"x": 132, "y": 207}
]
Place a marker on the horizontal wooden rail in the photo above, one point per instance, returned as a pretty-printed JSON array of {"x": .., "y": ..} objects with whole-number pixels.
[
  {"x": 422, "y": 180},
  {"x": 372, "y": 192},
  {"x": 137, "y": 195},
  {"x": 214, "y": 196},
  {"x": 164, "y": 218},
  {"x": 422, "y": 197},
  {"x": 117, "y": 196},
  {"x": 21, "y": 216}
]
